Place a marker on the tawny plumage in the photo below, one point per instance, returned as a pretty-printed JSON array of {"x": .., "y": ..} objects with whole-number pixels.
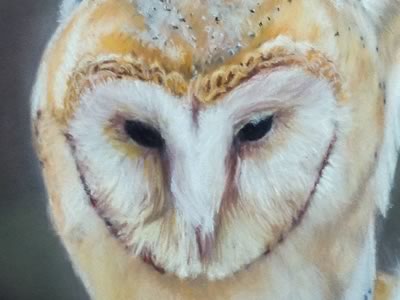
[{"x": 226, "y": 149}]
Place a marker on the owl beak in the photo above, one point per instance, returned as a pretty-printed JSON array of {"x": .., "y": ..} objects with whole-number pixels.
[
  {"x": 205, "y": 243},
  {"x": 197, "y": 188}
]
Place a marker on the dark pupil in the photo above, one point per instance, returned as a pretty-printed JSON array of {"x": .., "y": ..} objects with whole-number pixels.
[
  {"x": 254, "y": 131},
  {"x": 144, "y": 134}
]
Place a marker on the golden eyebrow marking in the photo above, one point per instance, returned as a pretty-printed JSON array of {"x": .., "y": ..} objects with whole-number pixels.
[
  {"x": 92, "y": 73},
  {"x": 207, "y": 87},
  {"x": 212, "y": 86}
]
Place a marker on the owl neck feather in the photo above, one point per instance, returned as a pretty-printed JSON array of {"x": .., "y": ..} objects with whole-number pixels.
[{"x": 294, "y": 271}]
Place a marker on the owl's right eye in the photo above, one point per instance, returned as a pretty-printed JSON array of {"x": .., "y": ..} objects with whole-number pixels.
[
  {"x": 144, "y": 134},
  {"x": 255, "y": 130}
]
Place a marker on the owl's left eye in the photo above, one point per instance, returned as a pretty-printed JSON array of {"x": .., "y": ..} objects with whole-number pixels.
[
  {"x": 144, "y": 134},
  {"x": 255, "y": 130}
]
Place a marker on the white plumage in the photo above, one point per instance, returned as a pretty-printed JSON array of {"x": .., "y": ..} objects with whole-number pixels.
[
  {"x": 221, "y": 149},
  {"x": 66, "y": 7}
]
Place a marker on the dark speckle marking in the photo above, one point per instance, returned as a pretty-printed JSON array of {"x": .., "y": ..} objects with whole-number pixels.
[
  {"x": 108, "y": 223},
  {"x": 39, "y": 114},
  {"x": 36, "y": 123},
  {"x": 70, "y": 139},
  {"x": 195, "y": 111},
  {"x": 281, "y": 239},
  {"x": 367, "y": 296},
  {"x": 337, "y": 34}
]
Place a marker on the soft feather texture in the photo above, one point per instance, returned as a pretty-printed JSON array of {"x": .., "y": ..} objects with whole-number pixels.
[
  {"x": 192, "y": 153},
  {"x": 66, "y": 8},
  {"x": 107, "y": 195},
  {"x": 376, "y": 9}
]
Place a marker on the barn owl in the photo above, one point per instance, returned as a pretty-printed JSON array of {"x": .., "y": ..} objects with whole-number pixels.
[{"x": 224, "y": 149}]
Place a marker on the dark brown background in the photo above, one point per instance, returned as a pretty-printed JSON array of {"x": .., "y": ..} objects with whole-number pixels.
[{"x": 33, "y": 265}]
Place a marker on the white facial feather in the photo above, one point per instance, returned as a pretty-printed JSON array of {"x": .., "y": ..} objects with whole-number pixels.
[
  {"x": 114, "y": 191},
  {"x": 376, "y": 10},
  {"x": 198, "y": 156}
]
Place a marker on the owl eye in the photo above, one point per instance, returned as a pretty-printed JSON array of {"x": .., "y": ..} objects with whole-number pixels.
[
  {"x": 144, "y": 135},
  {"x": 255, "y": 130}
]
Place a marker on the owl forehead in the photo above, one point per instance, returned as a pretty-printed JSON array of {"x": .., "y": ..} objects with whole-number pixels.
[
  {"x": 207, "y": 47},
  {"x": 195, "y": 36},
  {"x": 215, "y": 30}
]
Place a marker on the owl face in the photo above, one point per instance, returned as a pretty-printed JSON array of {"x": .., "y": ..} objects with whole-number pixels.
[
  {"x": 200, "y": 147},
  {"x": 198, "y": 189}
]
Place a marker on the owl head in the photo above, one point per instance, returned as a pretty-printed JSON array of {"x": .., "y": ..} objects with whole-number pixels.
[{"x": 198, "y": 142}]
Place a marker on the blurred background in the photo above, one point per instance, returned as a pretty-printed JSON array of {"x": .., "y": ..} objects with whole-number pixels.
[{"x": 33, "y": 264}]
